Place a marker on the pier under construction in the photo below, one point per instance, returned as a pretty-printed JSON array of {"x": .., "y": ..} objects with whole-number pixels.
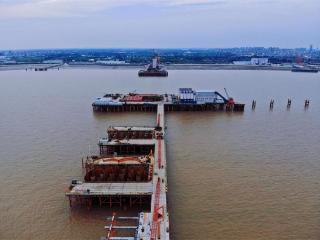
[
  {"x": 131, "y": 168},
  {"x": 129, "y": 171}
]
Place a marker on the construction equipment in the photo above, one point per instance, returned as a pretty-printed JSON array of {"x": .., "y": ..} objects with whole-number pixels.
[
  {"x": 113, "y": 226},
  {"x": 225, "y": 90},
  {"x": 230, "y": 99}
]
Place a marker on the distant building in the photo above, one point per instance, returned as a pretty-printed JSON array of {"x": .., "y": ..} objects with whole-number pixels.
[
  {"x": 111, "y": 62},
  {"x": 57, "y": 61},
  {"x": 259, "y": 61},
  {"x": 242, "y": 62},
  {"x": 253, "y": 61},
  {"x": 6, "y": 60}
]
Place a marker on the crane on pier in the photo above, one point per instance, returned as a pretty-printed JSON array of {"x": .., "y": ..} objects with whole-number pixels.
[
  {"x": 230, "y": 99},
  {"x": 225, "y": 90}
]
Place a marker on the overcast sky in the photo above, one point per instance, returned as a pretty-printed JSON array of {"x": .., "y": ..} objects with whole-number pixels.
[{"x": 158, "y": 23}]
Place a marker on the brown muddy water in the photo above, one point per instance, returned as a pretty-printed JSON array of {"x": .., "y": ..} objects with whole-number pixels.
[{"x": 245, "y": 176}]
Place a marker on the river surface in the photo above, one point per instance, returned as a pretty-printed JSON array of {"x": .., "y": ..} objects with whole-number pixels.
[{"x": 245, "y": 176}]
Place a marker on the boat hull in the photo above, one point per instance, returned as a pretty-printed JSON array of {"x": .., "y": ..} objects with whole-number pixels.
[{"x": 153, "y": 74}]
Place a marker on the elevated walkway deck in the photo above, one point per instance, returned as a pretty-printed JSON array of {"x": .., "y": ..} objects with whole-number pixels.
[{"x": 155, "y": 225}]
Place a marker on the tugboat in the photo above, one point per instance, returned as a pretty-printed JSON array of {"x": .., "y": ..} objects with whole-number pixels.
[{"x": 154, "y": 69}]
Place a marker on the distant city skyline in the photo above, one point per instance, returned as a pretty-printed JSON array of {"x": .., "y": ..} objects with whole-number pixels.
[{"x": 49, "y": 24}]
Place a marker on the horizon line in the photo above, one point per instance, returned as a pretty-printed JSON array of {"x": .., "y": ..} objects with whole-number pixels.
[{"x": 146, "y": 48}]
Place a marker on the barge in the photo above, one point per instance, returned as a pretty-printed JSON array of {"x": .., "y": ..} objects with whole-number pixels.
[{"x": 187, "y": 100}]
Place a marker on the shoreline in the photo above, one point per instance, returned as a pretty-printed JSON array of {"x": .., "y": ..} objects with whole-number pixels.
[{"x": 139, "y": 66}]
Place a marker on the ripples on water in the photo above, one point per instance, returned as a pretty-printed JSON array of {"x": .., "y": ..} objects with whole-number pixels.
[{"x": 231, "y": 176}]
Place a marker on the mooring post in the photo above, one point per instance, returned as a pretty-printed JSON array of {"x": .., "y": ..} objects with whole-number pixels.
[
  {"x": 271, "y": 104},
  {"x": 289, "y": 103},
  {"x": 70, "y": 203},
  {"x": 306, "y": 103},
  {"x": 254, "y": 104}
]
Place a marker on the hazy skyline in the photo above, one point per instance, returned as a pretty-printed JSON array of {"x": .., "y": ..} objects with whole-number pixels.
[{"x": 158, "y": 24}]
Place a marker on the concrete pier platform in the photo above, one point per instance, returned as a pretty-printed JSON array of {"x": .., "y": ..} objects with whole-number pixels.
[{"x": 114, "y": 188}]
